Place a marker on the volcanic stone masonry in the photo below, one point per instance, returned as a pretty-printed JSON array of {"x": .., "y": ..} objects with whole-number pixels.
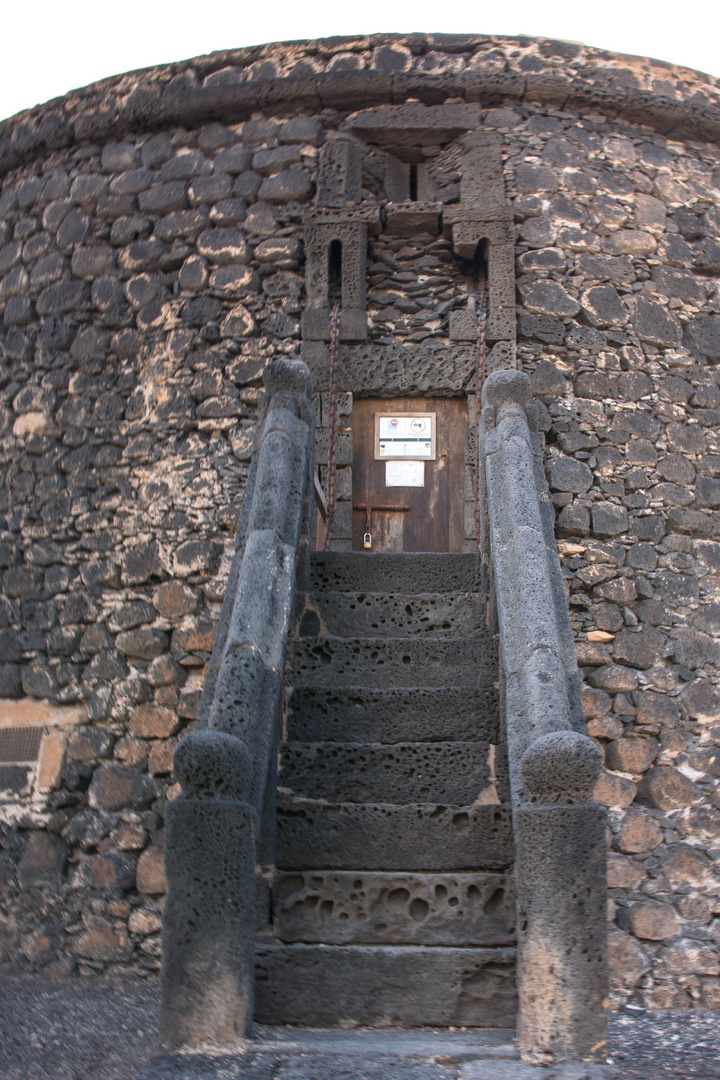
[{"x": 152, "y": 263}]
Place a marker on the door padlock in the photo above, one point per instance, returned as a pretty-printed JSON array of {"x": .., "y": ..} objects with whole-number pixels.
[{"x": 367, "y": 540}]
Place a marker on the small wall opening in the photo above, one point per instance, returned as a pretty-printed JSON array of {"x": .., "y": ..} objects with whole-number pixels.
[
  {"x": 413, "y": 182},
  {"x": 477, "y": 275},
  {"x": 335, "y": 258}
]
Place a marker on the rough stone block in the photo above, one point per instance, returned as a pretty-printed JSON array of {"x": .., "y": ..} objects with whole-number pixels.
[
  {"x": 308, "y": 984},
  {"x": 390, "y": 573},
  {"x": 359, "y": 714},
  {"x": 102, "y": 942},
  {"x": 151, "y": 721},
  {"x": 340, "y": 835},
  {"x": 609, "y": 520},
  {"x": 373, "y": 908},
  {"x": 208, "y": 923},
  {"x": 463, "y": 326},
  {"x": 652, "y": 921},
  {"x": 386, "y": 663},
  {"x": 567, "y": 474},
  {"x": 174, "y": 599},
  {"x": 42, "y": 863},
  {"x": 562, "y": 941},
  {"x": 353, "y": 325},
  {"x": 631, "y": 755},
  {"x": 120, "y": 787},
  {"x": 151, "y": 872},
  {"x": 370, "y": 614},
  {"x": 668, "y": 789},
  {"x": 50, "y": 762},
  {"x": 451, "y": 772},
  {"x": 340, "y": 174}
]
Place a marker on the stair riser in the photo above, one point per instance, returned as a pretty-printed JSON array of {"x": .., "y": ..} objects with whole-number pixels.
[
  {"x": 456, "y": 773},
  {"x": 380, "y": 615},
  {"x": 355, "y": 714},
  {"x": 377, "y": 663},
  {"x": 357, "y": 907},
  {"x": 394, "y": 573},
  {"x": 326, "y": 986},
  {"x": 344, "y": 836}
]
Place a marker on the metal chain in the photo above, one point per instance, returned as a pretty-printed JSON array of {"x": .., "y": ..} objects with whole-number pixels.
[
  {"x": 332, "y": 424},
  {"x": 480, "y": 360}
]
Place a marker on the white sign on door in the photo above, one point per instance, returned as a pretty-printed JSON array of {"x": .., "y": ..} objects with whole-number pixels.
[
  {"x": 404, "y": 474},
  {"x": 405, "y": 435}
]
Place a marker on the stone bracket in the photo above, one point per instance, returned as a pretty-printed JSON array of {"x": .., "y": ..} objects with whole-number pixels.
[
  {"x": 353, "y": 325},
  {"x": 400, "y": 127},
  {"x": 340, "y": 172},
  {"x": 408, "y": 218}
]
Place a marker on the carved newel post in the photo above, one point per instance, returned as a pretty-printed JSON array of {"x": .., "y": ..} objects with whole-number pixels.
[
  {"x": 560, "y": 853},
  {"x": 209, "y": 914}
]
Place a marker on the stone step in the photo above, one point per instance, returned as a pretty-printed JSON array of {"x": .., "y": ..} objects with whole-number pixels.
[
  {"x": 460, "y": 773},
  {"x": 301, "y": 1053},
  {"x": 379, "y": 662},
  {"x": 411, "y": 714},
  {"x": 384, "y": 986},
  {"x": 411, "y": 1047},
  {"x": 368, "y": 614},
  {"x": 381, "y": 836},
  {"x": 357, "y": 907},
  {"x": 406, "y": 573}
]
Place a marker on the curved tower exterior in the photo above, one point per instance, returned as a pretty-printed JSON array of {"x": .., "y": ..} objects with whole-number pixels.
[{"x": 164, "y": 236}]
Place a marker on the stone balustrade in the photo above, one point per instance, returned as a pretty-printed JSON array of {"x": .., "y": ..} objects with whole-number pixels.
[
  {"x": 559, "y": 829},
  {"x": 214, "y": 829}
]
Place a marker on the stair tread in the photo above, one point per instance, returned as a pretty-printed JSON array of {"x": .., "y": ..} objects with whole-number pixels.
[
  {"x": 396, "y": 571},
  {"x": 375, "y": 907},
  {"x": 422, "y": 837},
  {"x": 392, "y": 714},
  {"x": 390, "y": 1042},
  {"x": 340, "y": 613},
  {"x": 357, "y": 985},
  {"x": 508, "y": 952},
  {"x": 470, "y": 661},
  {"x": 439, "y": 642},
  {"x": 391, "y": 774},
  {"x": 458, "y": 772}
]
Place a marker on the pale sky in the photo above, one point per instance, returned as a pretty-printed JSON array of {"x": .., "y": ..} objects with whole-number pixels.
[{"x": 51, "y": 46}]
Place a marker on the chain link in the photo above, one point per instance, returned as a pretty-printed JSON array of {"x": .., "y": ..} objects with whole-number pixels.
[
  {"x": 480, "y": 360},
  {"x": 332, "y": 424}
]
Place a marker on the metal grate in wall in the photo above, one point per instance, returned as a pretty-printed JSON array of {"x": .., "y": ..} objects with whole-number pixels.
[{"x": 19, "y": 744}]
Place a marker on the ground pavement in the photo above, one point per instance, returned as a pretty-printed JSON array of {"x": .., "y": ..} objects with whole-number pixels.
[{"x": 104, "y": 1029}]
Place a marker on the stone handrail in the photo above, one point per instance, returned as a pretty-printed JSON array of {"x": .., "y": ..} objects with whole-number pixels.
[
  {"x": 559, "y": 830},
  {"x": 215, "y": 831}
]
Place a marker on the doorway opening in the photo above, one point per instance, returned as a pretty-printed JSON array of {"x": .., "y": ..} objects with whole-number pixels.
[{"x": 408, "y": 477}]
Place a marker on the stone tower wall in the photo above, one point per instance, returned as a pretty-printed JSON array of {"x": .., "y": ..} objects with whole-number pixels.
[{"x": 152, "y": 262}]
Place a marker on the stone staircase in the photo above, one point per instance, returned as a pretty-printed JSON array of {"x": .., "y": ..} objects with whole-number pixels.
[{"x": 392, "y": 900}]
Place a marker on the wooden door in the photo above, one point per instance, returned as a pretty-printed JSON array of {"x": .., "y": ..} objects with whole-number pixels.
[{"x": 434, "y": 518}]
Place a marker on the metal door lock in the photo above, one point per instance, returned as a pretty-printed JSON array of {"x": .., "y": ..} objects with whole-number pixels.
[{"x": 368, "y": 508}]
